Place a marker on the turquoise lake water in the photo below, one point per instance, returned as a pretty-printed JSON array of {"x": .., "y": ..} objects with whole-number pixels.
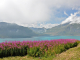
[{"x": 40, "y": 38}]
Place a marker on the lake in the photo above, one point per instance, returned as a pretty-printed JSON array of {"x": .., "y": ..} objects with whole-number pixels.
[{"x": 40, "y": 38}]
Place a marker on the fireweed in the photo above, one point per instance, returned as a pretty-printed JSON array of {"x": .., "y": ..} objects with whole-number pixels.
[{"x": 36, "y": 48}]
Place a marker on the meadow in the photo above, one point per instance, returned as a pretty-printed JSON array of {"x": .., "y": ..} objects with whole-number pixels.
[{"x": 36, "y": 48}]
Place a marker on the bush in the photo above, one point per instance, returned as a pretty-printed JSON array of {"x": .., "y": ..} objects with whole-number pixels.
[
  {"x": 14, "y": 52},
  {"x": 34, "y": 51}
]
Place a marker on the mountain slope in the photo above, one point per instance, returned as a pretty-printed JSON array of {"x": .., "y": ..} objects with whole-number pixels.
[
  {"x": 8, "y": 30},
  {"x": 66, "y": 29}
]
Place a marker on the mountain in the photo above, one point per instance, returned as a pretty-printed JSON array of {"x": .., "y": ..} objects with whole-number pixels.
[
  {"x": 66, "y": 28},
  {"x": 8, "y": 30}
]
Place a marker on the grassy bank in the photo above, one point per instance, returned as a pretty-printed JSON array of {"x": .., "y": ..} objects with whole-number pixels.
[{"x": 71, "y": 54}]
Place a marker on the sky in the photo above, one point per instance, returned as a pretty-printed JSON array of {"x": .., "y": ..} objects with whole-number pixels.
[{"x": 38, "y": 13}]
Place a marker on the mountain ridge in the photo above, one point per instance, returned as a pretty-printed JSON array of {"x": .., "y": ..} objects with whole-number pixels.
[
  {"x": 9, "y": 30},
  {"x": 66, "y": 29}
]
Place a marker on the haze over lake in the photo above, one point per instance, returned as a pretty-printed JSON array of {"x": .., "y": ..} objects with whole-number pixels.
[{"x": 39, "y": 38}]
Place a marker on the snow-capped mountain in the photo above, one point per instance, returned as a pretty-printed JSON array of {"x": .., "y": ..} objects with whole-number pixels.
[
  {"x": 68, "y": 27},
  {"x": 65, "y": 30}
]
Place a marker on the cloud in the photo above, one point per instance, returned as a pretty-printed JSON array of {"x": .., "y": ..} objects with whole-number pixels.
[
  {"x": 49, "y": 25},
  {"x": 65, "y": 13},
  {"x": 19, "y": 11},
  {"x": 73, "y": 18},
  {"x": 29, "y": 12}
]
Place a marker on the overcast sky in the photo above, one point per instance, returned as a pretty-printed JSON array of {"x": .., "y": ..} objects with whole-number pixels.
[{"x": 38, "y": 13}]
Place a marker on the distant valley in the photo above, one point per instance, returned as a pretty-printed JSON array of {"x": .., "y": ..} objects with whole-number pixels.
[{"x": 38, "y": 30}]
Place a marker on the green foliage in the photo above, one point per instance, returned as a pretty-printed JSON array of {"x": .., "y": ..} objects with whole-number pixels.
[
  {"x": 34, "y": 51},
  {"x": 37, "y": 51},
  {"x": 13, "y": 52},
  {"x": 64, "y": 47}
]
